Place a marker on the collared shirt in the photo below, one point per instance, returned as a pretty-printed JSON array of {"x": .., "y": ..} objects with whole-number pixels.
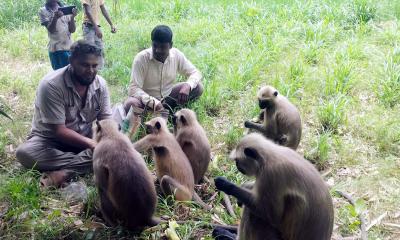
[
  {"x": 94, "y": 10},
  {"x": 152, "y": 80},
  {"x": 60, "y": 40},
  {"x": 57, "y": 102}
]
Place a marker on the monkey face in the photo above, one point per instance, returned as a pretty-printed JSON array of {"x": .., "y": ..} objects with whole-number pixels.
[
  {"x": 247, "y": 160},
  {"x": 266, "y": 96},
  {"x": 155, "y": 125},
  {"x": 184, "y": 117}
]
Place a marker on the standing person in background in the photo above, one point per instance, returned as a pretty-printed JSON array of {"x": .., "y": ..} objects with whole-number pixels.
[
  {"x": 91, "y": 21},
  {"x": 59, "y": 28}
]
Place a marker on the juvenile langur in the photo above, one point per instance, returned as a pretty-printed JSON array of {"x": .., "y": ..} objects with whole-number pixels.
[
  {"x": 127, "y": 193},
  {"x": 194, "y": 142},
  {"x": 288, "y": 200},
  {"x": 172, "y": 166},
  {"x": 281, "y": 121}
]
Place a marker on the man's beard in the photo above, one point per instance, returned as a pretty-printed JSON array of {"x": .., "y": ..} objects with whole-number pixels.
[{"x": 83, "y": 81}]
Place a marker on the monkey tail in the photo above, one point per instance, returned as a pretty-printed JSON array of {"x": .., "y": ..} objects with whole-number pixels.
[
  {"x": 196, "y": 198},
  {"x": 228, "y": 205},
  {"x": 364, "y": 234}
]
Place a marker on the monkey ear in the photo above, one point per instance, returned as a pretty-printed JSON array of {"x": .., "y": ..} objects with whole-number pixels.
[
  {"x": 98, "y": 126},
  {"x": 158, "y": 125},
  {"x": 183, "y": 120},
  {"x": 276, "y": 93},
  {"x": 251, "y": 153}
]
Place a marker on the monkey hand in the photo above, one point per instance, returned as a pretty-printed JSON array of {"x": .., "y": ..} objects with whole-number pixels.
[
  {"x": 223, "y": 184},
  {"x": 247, "y": 124}
]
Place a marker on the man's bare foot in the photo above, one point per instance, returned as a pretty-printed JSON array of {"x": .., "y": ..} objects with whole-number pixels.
[{"x": 55, "y": 179}]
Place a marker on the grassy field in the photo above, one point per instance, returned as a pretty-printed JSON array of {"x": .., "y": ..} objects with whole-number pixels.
[{"x": 338, "y": 61}]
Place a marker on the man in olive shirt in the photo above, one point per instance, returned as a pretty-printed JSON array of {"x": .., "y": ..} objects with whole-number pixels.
[
  {"x": 68, "y": 100},
  {"x": 154, "y": 72}
]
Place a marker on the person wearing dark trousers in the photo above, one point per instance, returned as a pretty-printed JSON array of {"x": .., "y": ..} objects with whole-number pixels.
[{"x": 154, "y": 73}]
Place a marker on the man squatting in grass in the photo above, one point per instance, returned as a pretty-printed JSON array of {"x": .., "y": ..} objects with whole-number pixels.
[
  {"x": 91, "y": 21},
  {"x": 67, "y": 102},
  {"x": 154, "y": 73},
  {"x": 59, "y": 28}
]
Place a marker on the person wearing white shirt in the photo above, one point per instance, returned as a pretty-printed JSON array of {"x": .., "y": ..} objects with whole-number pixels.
[{"x": 154, "y": 72}]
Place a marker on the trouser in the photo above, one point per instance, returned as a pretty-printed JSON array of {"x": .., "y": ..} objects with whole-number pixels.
[
  {"x": 170, "y": 100},
  {"x": 59, "y": 59},
  {"x": 89, "y": 34},
  {"x": 44, "y": 155}
]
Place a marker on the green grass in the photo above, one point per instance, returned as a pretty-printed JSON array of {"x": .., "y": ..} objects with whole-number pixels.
[{"x": 337, "y": 61}]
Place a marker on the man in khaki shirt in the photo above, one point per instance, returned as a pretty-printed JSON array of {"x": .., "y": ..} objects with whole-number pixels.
[
  {"x": 91, "y": 21},
  {"x": 154, "y": 72},
  {"x": 67, "y": 102}
]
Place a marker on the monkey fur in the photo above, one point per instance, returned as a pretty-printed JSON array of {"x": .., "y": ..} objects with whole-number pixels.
[
  {"x": 172, "y": 166},
  {"x": 194, "y": 142},
  {"x": 126, "y": 189},
  {"x": 289, "y": 199},
  {"x": 281, "y": 121}
]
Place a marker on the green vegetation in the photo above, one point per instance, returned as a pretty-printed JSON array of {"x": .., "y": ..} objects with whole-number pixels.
[{"x": 338, "y": 61}]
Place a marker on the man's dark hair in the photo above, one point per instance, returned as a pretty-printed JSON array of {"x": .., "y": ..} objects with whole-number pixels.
[
  {"x": 82, "y": 47},
  {"x": 161, "y": 34},
  {"x": 46, "y": 5}
]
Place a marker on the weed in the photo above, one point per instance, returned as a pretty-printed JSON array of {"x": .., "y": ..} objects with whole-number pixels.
[
  {"x": 233, "y": 136},
  {"x": 331, "y": 113},
  {"x": 364, "y": 11},
  {"x": 388, "y": 87},
  {"x": 348, "y": 215},
  {"x": 339, "y": 81},
  {"x": 319, "y": 154}
]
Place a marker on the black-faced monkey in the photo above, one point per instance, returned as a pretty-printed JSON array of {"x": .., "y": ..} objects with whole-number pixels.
[
  {"x": 127, "y": 193},
  {"x": 281, "y": 121},
  {"x": 288, "y": 201},
  {"x": 194, "y": 142}
]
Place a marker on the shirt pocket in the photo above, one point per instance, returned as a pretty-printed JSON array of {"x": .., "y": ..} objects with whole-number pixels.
[
  {"x": 91, "y": 113},
  {"x": 71, "y": 114}
]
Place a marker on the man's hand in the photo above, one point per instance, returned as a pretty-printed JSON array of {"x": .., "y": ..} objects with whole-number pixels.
[
  {"x": 183, "y": 96},
  {"x": 99, "y": 34},
  {"x": 113, "y": 29},
  {"x": 92, "y": 144},
  {"x": 74, "y": 12},
  {"x": 58, "y": 14},
  {"x": 158, "y": 107}
]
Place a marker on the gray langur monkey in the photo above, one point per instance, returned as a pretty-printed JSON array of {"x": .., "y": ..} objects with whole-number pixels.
[
  {"x": 126, "y": 189},
  {"x": 193, "y": 140},
  {"x": 281, "y": 121},
  {"x": 289, "y": 199}
]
